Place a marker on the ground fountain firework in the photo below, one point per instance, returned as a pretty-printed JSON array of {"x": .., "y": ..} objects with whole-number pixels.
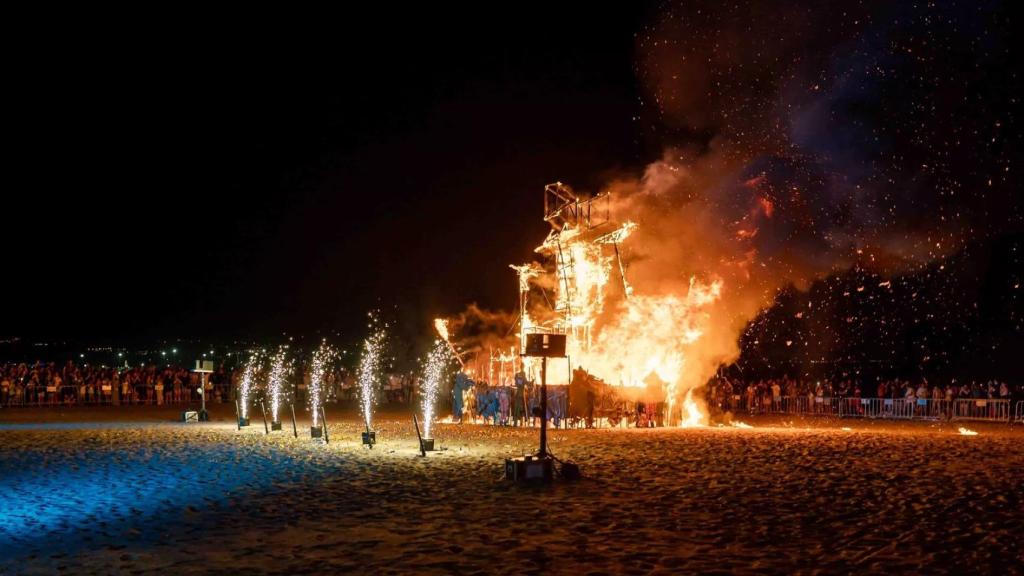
[
  {"x": 280, "y": 369},
  {"x": 248, "y": 383},
  {"x": 435, "y": 368},
  {"x": 369, "y": 373},
  {"x": 322, "y": 358}
]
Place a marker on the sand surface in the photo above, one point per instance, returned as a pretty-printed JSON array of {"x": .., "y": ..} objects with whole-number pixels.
[{"x": 125, "y": 491}]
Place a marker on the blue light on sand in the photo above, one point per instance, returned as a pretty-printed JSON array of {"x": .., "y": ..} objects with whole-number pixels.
[{"x": 93, "y": 490}]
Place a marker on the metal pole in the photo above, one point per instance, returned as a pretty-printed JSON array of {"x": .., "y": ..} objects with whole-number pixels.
[
  {"x": 323, "y": 418},
  {"x": 568, "y": 400},
  {"x": 416, "y": 422},
  {"x": 263, "y": 410},
  {"x": 522, "y": 317},
  {"x": 295, "y": 429},
  {"x": 238, "y": 416},
  {"x": 543, "y": 407}
]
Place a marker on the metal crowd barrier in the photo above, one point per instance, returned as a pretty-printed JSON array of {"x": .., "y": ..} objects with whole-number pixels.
[
  {"x": 825, "y": 406},
  {"x": 1018, "y": 415},
  {"x": 93, "y": 395},
  {"x": 992, "y": 410},
  {"x": 986, "y": 409},
  {"x": 790, "y": 405},
  {"x": 896, "y": 408},
  {"x": 55, "y": 395}
]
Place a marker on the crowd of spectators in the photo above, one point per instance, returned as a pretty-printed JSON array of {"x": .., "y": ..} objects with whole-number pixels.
[
  {"x": 340, "y": 385},
  {"x": 44, "y": 384},
  {"x": 52, "y": 384},
  {"x": 729, "y": 394}
]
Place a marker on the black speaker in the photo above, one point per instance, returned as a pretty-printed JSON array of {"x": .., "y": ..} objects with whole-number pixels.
[
  {"x": 547, "y": 345},
  {"x": 529, "y": 469}
]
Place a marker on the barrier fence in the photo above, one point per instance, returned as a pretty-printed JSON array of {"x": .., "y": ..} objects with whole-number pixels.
[
  {"x": 99, "y": 395},
  {"x": 989, "y": 410},
  {"x": 980, "y": 409},
  {"x": 606, "y": 413},
  {"x": 899, "y": 408}
]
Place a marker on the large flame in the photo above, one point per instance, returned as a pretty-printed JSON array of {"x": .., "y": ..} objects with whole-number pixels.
[
  {"x": 693, "y": 416},
  {"x": 625, "y": 338}
]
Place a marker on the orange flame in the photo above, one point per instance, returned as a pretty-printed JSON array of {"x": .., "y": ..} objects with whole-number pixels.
[
  {"x": 645, "y": 334},
  {"x": 441, "y": 325},
  {"x": 694, "y": 418},
  {"x": 644, "y": 340}
]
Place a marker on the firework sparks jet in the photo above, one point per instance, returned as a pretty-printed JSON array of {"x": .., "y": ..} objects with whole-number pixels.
[
  {"x": 248, "y": 381},
  {"x": 370, "y": 365},
  {"x": 279, "y": 372},
  {"x": 435, "y": 369},
  {"x": 319, "y": 366}
]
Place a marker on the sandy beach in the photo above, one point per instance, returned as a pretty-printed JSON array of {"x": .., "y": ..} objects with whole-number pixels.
[{"x": 129, "y": 491}]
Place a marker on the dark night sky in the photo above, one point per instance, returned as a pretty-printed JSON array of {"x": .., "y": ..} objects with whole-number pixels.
[
  {"x": 242, "y": 174},
  {"x": 253, "y": 175}
]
